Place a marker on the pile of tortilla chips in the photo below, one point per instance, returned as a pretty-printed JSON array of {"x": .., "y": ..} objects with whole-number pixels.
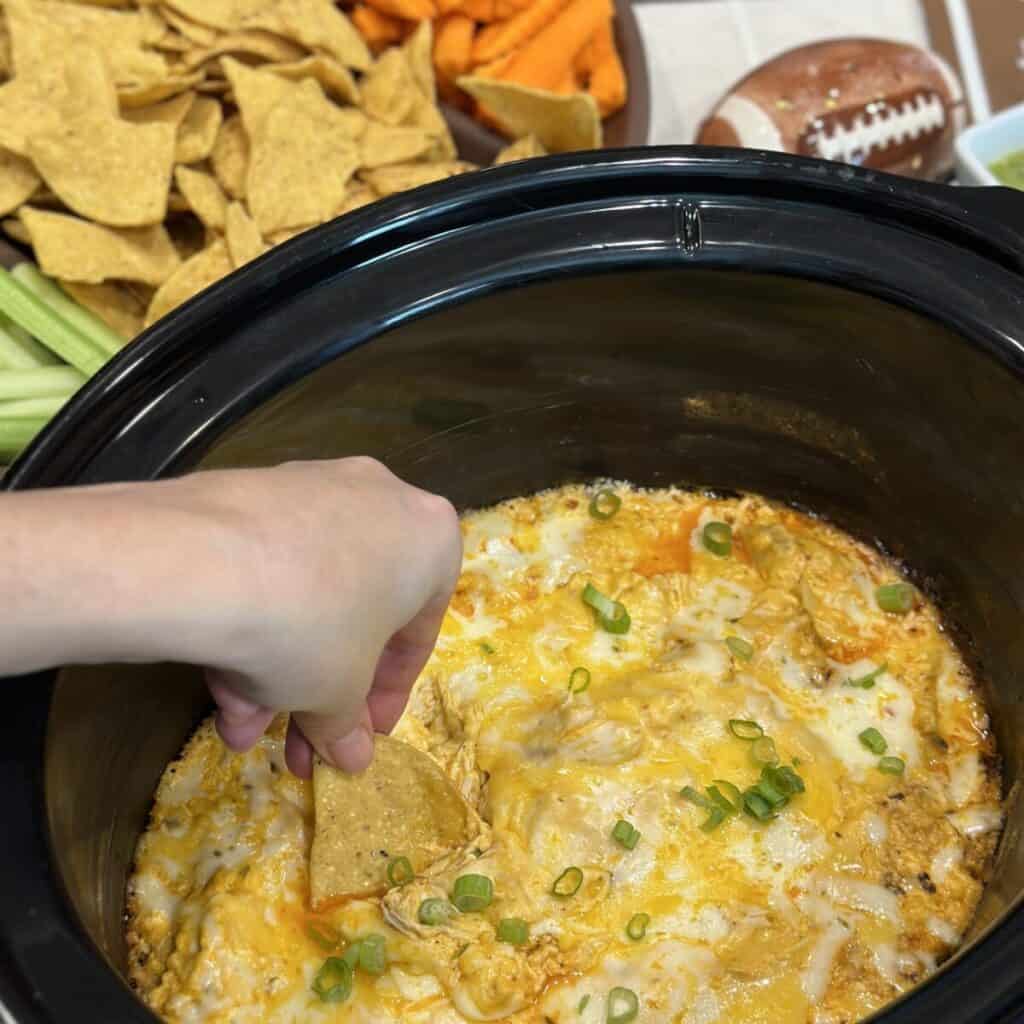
[
  {"x": 530, "y": 51},
  {"x": 147, "y": 149}
]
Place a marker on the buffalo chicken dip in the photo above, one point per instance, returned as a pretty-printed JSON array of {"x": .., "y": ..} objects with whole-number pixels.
[{"x": 728, "y": 765}]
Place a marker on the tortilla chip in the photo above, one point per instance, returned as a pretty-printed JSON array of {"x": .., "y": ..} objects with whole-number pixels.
[
  {"x": 41, "y": 29},
  {"x": 18, "y": 180},
  {"x": 419, "y": 54},
  {"x": 117, "y": 306},
  {"x": 198, "y": 35},
  {"x": 143, "y": 95},
  {"x": 257, "y": 92},
  {"x": 386, "y": 181},
  {"x": 243, "y": 237},
  {"x": 561, "y": 123},
  {"x": 301, "y": 161},
  {"x": 389, "y": 90},
  {"x": 77, "y": 84},
  {"x": 203, "y": 195},
  {"x": 107, "y": 169},
  {"x": 14, "y": 229},
  {"x": 198, "y": 132},
  {"x": 6, "y": 63},
  {"x": 173, "y": 43},
  {"x": 170, "y": 112},
  {"x": 205, "y": 268},
  {"x": 356, "y": 199},
  {"x": 223, "y": 14},
  {"x": 317, "y": 25},
  {"x": 76, "y": 250},
  {"x": 522, "y": 149},
  {"x": 425, "y": 116},
  {"x": 335, "y": 78},
  {"x": 230, "y": 157},
  {"x": 279, "y": 237},
  {"x": 385, "y": 144},
  {"x": 402, "y": 804},
  {"x": 253, "y": 43},
  {"x": 25, "y": 109},
  {"x": 90, "y": 89}
]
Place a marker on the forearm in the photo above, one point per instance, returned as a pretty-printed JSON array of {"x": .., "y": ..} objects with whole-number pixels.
[{"x": 119, "y": 573}]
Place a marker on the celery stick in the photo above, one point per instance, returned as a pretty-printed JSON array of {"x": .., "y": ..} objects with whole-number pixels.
[
  {"x": 16, "y": 434},
  {"x": 46, "y": 326},
  {"x": 63, "y": 305},
  {"x": 19, "y": 350},
  {"x": 32, "y": 408},
  {"x": 45, "y": 382}
]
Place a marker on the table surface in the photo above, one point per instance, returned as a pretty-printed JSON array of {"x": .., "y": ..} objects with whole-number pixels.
[{"x": 696, "y": 49}]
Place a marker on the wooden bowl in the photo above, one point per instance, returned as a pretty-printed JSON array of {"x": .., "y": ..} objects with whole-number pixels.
[{"x": 628, "y": 127}]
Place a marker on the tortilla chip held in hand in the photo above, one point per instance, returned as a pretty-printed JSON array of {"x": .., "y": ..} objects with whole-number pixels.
[{"x": 402, "y": 806}]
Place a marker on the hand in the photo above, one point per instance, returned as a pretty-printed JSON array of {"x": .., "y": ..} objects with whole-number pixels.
[
  {"x": 352, "y": 570},
  {"x": 316, "y": 588}
]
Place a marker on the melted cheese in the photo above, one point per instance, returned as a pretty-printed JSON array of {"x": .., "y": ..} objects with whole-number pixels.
[{"x": 819, "y": 913}]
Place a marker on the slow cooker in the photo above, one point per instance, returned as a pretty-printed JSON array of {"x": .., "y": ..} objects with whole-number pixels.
[{"x": 826, "y": 335}]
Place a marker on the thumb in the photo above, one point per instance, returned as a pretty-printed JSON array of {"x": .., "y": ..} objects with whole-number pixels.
[{"x": 340, "y": 741}]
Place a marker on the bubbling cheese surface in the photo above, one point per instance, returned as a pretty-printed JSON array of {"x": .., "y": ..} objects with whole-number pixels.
[{"x": 850, "y": 895}]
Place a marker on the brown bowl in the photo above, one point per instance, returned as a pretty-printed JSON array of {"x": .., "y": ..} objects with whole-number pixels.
[{"x": 626, "y": 128}]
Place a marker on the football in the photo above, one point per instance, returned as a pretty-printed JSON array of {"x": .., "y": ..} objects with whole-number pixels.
[{"x": 870, "y": 102}]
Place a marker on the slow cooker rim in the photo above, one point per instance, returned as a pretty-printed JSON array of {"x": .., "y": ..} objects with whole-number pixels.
[
  {"x": 985, "y": 221},
  {"x": 151, "y": 356}
]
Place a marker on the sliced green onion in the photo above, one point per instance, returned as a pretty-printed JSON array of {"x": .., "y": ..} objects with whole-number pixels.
[
  {"x": 784, "y": 779},
  {"x": 763, "y": 750},
  {"x": 740, "y": 648},
  {"x": 868, "y": 681},
  {"x": 715, "y": 818},
  {"x": 434, "y": 911},
  {"x": 623, "y": 1006},
  {"x": 351, "y": 955},
  {"x": 696, "y": 798},
  {"x": 333, "y": 982},
  {"x": 717, "y": 538},
  {"x": 514, "y": 931},
  {"x": 584, "y": 1003},
  {"x": 873, "y": 740},
  {"x": 80, "y": 318},
  {"x": 897, "y": 598},
  {"x": 371, "y": 954},
  {"x": 472, "y": 893},
  {"x": 487, "y": 648},
  {"x": 732, "y": 792},
  {"x": 637, "y": 927},
  {"x": 768, "y": 792},
  {"x": 605, "y": 504},
  {"x": 400, "y": 871},
  {"x": 579, "y": 679},
  {"x": 323, "y": 935},
  {"x": 744, "y": 730},
  {"x": 611, "y": 615},
  {"x": 721, "y": 801},
  {"x": 29, "y": 311},
  {"x": 567, "y": 883},
  {"x": 891, "y": 765},
  {"x": 625, "y": 834},
  {"x": 756, "y": 806}
]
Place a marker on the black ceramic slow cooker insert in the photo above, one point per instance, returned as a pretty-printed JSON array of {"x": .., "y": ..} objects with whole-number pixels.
[{"x": 828, "y": 336}]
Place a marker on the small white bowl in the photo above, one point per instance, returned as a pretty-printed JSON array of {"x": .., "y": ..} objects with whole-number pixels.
[{"x": 987, "y": 142}]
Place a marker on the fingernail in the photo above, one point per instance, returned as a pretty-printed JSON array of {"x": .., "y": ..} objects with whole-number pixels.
[{"x": 352, "y": 753}]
